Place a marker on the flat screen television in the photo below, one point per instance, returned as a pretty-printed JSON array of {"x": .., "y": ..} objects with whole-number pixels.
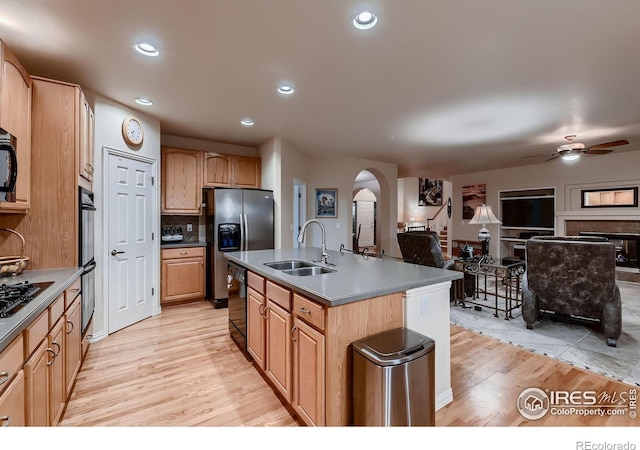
[{"x": 528, "y": 212}]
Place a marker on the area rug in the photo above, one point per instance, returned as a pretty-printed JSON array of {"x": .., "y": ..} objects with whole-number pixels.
[{"x": 579, "y": 345}]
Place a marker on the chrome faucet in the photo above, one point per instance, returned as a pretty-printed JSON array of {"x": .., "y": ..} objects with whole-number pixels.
[{"x": 324, "y": 255}]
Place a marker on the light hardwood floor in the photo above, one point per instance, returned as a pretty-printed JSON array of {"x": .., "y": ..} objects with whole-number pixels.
[{"x": 181, "y": 368}]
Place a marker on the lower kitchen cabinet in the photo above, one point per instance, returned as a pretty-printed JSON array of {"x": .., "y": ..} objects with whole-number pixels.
[
  {"x": 307, "y": 346},
  {"x": 256, "y": 305},
  {"x": 308, "y": 372},
  {"x": 56, "y": 365},
  {"x": 37, "y": 385},
  {"x": 182, "y": 276},
  {"x": 278, "y": 354},
  {"x": 73, "y": 343},
  {"x": 12, "y": 412}
]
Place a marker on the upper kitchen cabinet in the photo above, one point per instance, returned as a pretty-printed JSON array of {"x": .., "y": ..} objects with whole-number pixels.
[
  {"x": 86, "y": 139},
  {"x": 15, "y": 118},
  {"x": 232, "y": 171},
  {"x": 181, "y": 181}
]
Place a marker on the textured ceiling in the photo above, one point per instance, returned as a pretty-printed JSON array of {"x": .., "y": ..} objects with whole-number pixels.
[{"x": 438, "y": 87}]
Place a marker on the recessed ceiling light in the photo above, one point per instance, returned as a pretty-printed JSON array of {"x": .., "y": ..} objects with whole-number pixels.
[
  {"x": 247, "y": 122},
  {"x": 286, "y": 89},
  {"x": 146, "y": 49},
  {"x": 365, "y": 20},
  {"x": 144, "y": 102}
]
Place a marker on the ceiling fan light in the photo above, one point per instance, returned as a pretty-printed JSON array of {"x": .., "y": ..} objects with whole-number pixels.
[{"x": 570, "y": 157}]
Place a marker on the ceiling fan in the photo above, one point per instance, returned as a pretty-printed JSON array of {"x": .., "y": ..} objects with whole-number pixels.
[{"x": 572, "y": 150}]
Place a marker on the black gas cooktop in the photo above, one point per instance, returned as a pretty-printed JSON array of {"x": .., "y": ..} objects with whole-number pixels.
[{"x": 14, "y": 296}]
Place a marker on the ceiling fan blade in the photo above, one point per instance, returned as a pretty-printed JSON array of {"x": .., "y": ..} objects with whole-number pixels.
[
  {"x": 607, "y": 145},
  {"x": 537, "y": 156},
  {"x": 591, "y": 151},
  {"x": 553, "y": 157}
]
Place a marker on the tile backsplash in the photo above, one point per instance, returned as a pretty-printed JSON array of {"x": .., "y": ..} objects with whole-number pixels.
[{"x": 197, "y": 229}]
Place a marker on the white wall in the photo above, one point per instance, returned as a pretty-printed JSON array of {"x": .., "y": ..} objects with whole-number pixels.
[
  {"x": 108, "y": 133},
  {"x": 208, "y": 146},
  {"x": 613, "y": 170},
  {"x": 408, "y": 199}
]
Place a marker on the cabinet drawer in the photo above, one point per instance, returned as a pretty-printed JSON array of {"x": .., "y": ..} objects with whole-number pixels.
[
  {"x": 256, "y": 282},
  {"x": 310, "y": 311},
  {"x": 279, "y": 295},
  {"x": 71, "y": 293},
  {"x": 56, "y": 309},
  {"x": 35, "y": 333},
  {"x": 11, "y": 360},
  {"x": 185, "y": 252}
]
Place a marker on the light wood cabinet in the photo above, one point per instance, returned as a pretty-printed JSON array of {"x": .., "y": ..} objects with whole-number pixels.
[
  {"x": 278, "y": 344},
  {"x": 307, "y": 346},
  {"x": 256, "y": 304},
  {"x": 15, "y": 117},
  {"x": 182, "y": 275},
  {"x": 53, "y": 359},
  {"x": 55, "y": 136},
  {"x": 73, "y": 344},
  {"x": 86, "y": 141},
  {"x": 12, "y": 412},
  {"x": 37, "y": 385},
  {"x": 308, "y": 372},
  {"x": 58, "y": 383},
  {"x": 181, "y": 181},
  {"x": 232, "y": 171}
]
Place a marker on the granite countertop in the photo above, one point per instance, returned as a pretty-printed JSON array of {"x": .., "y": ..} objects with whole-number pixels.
[
  {"x": 11, "y": 327},
  {"x": 356, "y": 278},
  {"x": 182, "y": 244}
]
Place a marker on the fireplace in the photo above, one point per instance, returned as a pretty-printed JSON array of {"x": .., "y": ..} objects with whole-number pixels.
[{"x": 624, "y": 234}]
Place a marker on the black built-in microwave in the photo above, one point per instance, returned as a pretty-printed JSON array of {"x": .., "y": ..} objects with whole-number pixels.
[{"x": 8, "y": 166}]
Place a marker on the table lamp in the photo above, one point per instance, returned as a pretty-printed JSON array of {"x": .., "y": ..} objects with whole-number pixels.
[{"x": 484, "y": 216}]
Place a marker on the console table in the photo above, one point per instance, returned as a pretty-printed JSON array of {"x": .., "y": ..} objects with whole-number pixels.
[{"x": 509, "y": 276}]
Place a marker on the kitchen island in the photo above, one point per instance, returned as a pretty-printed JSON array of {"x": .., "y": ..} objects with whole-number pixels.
[{"x": 321, "y": 315}]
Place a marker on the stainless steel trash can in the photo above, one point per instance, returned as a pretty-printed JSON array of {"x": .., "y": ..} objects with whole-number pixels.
[{"x": 393, "y": 379}]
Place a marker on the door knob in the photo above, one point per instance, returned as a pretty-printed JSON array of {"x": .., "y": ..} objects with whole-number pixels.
[{"x": 114, "y": 252}]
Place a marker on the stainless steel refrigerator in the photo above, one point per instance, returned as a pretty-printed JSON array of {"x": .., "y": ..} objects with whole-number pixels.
[{"x": 236, "y": 220}]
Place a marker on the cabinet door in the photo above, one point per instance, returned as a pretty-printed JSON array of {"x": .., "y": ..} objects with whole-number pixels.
[
  {"x": 12, "y": 411},
  {"x": 182, "y": 279},
  {"x": 308, "y": 373},
  {"x": 278, "y": 355},
  {"x": 181, "y": 181},
  {"x": 86, "y": 139},
  {"x": 217, "y": 170},
  {"x": 37, "y": 378},
  {"x": 256, "y": 326},
  {"x": 247, "y": 172},
  {"x": 57, "y": 390},
  {"x": 73, "y": 343},
  {"x": 15, "y": 117}
]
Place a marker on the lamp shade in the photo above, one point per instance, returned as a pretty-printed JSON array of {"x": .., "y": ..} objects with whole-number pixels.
[{"x": 483, "y": 215}]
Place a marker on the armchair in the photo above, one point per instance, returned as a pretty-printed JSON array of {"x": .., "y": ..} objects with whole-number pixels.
[
  {"x": 572, "y": 278},
  {"x": 423, "y": 247}
]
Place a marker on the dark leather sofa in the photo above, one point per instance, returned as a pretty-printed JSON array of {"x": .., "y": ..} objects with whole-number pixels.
[{"x": 572, "y": 278}]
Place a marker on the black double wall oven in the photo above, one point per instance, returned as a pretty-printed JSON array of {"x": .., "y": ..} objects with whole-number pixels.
[{"x": 87, "y": 257}]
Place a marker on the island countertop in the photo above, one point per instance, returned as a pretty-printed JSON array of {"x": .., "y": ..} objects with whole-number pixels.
[{"x": 355, "y": 277}]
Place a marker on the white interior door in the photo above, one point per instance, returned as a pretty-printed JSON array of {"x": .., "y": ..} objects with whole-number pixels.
[
  {"x": 130, "y": 244},
  {"x": 365, "y": 217}
]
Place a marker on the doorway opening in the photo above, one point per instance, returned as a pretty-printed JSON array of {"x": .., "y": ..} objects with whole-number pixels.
[{"x": 366, "y": 232}]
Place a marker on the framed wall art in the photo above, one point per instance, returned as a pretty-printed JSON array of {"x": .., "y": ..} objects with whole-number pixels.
[
  {"x": 472, "y": 196},
  {"x": 326, "y": 203},
  {"x": 429, "y": 192}
]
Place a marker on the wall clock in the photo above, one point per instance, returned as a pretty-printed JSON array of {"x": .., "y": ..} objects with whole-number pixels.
[{"x": 132, "y": 131}]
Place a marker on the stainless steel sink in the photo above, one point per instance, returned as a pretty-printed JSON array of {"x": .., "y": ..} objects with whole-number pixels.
[
  {"x": 288, "y": 265},
  {"x": 307, "y": 271}
]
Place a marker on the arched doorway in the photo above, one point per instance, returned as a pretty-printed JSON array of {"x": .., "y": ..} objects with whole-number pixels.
[{"x": 366, "y": 193}]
